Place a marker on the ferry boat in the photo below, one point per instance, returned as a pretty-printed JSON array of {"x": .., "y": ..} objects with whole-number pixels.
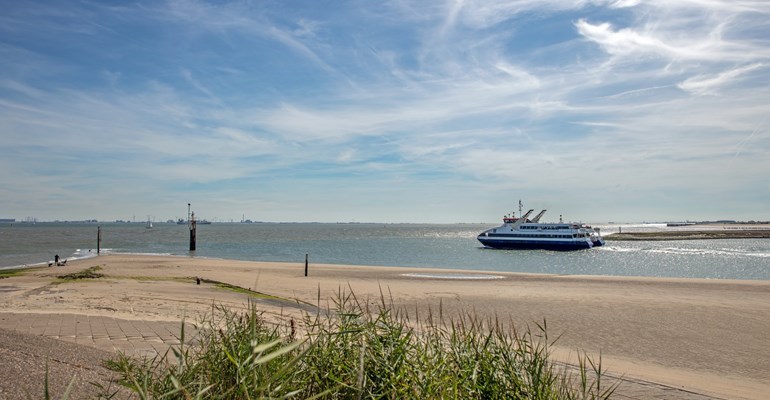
[{"x": 523, "y": 233}]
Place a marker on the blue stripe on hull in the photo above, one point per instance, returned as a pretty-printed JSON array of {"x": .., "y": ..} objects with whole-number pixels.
[{"x": 533, "y": 245}]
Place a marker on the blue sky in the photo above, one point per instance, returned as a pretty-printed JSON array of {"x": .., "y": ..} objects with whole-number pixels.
[{"x": 385, "y": 111}]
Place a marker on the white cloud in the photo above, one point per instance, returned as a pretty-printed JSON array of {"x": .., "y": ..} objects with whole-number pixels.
[
  {"x": 625, "y": 3},
  {"x": 711, "y": 83},
  {"x": 678, "y": 32},
  {"x": 449, "y": 95},
  {"x": 623, "y": 41},
  {"x": 346, "y": 156}
]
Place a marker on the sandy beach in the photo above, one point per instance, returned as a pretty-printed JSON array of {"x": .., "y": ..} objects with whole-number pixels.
[{"x": 706, "y": 336}]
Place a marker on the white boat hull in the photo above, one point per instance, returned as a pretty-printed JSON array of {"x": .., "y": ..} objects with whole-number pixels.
[{"x": 501, "y": 242}]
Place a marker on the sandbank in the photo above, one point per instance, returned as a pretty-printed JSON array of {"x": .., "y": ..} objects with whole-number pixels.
[
  {"x": 692, "y": 234},
  {"x": 707, "y": 336}
]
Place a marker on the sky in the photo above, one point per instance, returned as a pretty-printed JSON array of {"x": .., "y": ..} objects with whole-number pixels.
[{"x": 385, "y": 111}]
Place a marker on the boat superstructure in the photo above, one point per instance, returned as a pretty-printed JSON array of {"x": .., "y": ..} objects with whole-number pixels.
[{"x": 523, "y": 233}]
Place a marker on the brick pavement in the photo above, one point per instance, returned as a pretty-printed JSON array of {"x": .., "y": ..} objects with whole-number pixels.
[
  {"x": 132, "y": 337},
  {"x": 150, "y": 338}
]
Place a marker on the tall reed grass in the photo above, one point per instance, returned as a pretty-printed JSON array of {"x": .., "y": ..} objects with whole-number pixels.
[{"x": 358, "y": 351}]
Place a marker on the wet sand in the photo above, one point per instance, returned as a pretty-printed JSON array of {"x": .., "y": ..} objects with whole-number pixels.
[{"x": 708, "y": 336}]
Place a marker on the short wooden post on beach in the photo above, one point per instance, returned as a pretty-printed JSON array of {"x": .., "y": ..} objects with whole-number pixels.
[
  {"x": 305, "y": 264},
  {"x": 98, "y": 239}
]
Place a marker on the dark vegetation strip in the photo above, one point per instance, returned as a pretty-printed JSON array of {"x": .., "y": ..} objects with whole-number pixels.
[
  {"x": 239, "y": 289},
  {"x": 88, "y": 273},
  {"x": 8, "y": 273},
  {"x": 262, "y": 297}
]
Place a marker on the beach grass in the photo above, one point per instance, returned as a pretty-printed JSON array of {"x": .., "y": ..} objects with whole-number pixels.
[
  {"x": 8, "y": 273},
  {"x": 88, "y": 273},
  {"x": 361, "y": 350}
]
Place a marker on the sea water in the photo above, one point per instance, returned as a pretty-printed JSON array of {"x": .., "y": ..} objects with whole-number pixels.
[{"x": 451, "y": 246}]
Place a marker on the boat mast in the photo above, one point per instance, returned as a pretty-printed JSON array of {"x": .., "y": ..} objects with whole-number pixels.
[{"x": 520, "y": 208}]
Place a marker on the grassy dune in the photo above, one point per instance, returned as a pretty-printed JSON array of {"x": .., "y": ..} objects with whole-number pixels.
[{"x": 355, "y": 353}]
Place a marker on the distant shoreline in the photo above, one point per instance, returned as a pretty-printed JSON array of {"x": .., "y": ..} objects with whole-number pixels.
[{"x": 732, "y": 233}]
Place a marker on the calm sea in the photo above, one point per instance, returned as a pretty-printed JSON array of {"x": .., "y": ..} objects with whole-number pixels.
[{"x": 408, "y": 245}]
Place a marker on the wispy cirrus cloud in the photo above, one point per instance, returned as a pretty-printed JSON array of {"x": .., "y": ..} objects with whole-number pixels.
[
  {"x": 547, "y": 100},
  {"x": 709, "y": 84}
]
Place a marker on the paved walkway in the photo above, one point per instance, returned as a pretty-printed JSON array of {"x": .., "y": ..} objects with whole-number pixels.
[
  {"x": 149, "y": 338},
  {"x": 136, "y": 338}
]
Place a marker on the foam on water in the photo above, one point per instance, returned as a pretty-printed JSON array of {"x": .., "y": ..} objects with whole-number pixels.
[{"x": 454, "y": 276}]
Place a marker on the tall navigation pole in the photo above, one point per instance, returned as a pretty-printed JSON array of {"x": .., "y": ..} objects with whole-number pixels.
[{"x": 191, "y": 224}]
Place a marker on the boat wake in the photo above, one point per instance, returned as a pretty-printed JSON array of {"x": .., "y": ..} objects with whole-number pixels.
[
  {"x": 710, "y": 252},
  {"x": 689, "y": 251}
]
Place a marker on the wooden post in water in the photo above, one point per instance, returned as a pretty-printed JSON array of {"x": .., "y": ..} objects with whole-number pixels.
[
  {"x": 98, "y": 239},
  {"x": 305, "y": 264},
  {"x": 192, "y": 232}
]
